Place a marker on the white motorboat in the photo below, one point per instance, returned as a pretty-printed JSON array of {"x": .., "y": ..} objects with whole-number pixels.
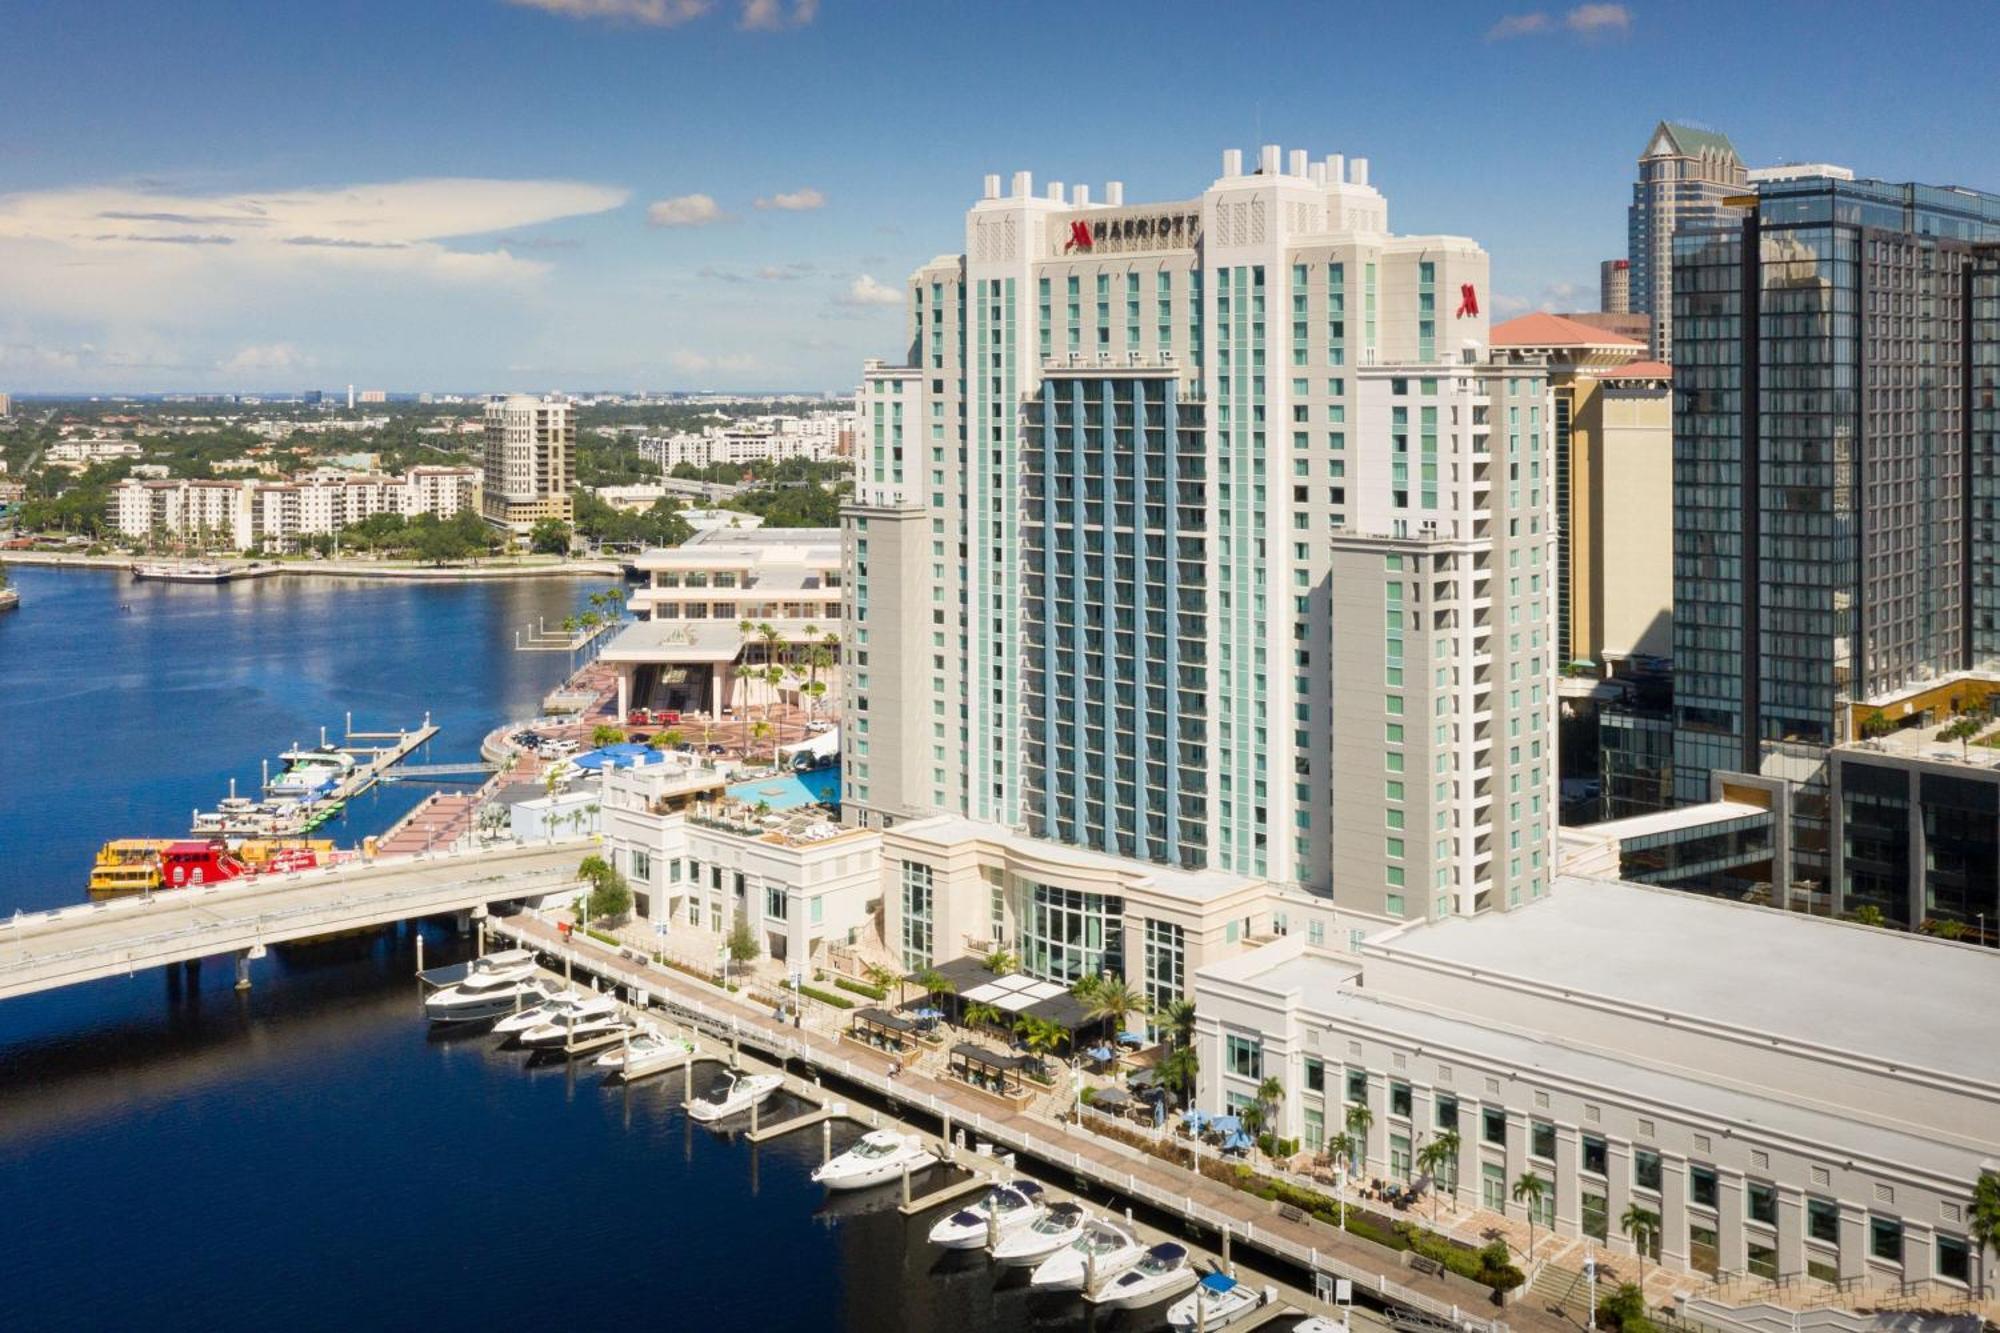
[
  {"x": 492, "y": 986},
  {"x": 1218, "y": 1301},
  {"x": 555, "y": 1002},
  {"x": 1101, "y": 1252},
  {"x": 1320, "y": 1324},
  {"x": 1162, "y": 1271},
  {"x": 1053, "y": 1230},
  {"x": 581, "y": 1024},
  {"x": 734, "y": 1096},
  {"x": 880, "y": 1156},
  {"x": 1005, "y": 1210},
  {"x": 649, "y": 1052}
]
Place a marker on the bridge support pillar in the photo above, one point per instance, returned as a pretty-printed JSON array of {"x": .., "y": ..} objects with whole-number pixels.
[
  {"x": 243, "y": 970},
  {"x": 193, "y": 969},
  {"x": 463, "y": 921}
]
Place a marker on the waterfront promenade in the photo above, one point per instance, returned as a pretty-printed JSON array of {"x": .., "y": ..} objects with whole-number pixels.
[
  {"x": 501, "y": 567},
  {"x": 44, "y": 950},
  {"x": 1208, "y": 1203}
]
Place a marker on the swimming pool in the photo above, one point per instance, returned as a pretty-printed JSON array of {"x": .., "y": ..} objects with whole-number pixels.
[{"x": 818, "y": 786}]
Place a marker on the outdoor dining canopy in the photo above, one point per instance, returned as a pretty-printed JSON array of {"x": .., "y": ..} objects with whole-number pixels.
[
  {"x": 1013, "y": 995},
  {"x": 879, "y": 1027},
  {"x": 988, "y": 1069}
]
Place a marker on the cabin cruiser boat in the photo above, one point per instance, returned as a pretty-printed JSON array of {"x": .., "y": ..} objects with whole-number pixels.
[
  {"x": 1162, "y": 1271},
  {"x": 492, "y": 986},
  {"x": 1052, "y": 1231},
  {"x": 555, "y": 1000},
  {"x": 566, "y": 1029},
  {"x": 1100, "y": 1252},
  {"x": 649, "y": 1051},
  {"x": 1218, "y": 1301},
  {"x": 1005, "y": 1209},
  {"x": 880, "y": 1156},
  {"x": 735, "y": 1095}
]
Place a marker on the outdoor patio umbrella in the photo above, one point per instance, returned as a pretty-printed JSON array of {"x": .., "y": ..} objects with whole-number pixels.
[
  {"x": 1111, "y": 1097},
  {"x": 1142, "y": 1078},
  {"x": 1237, "y": 1142},
  {"x": 1195, "y": 1119},
  {"x": 927, "y": 1012},
  {"x": 1131, "y": 1038},
  {"x": 1227, "y": 1124}
]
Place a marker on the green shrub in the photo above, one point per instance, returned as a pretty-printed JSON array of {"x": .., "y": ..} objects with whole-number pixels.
[
  {"x": 1624, "y": 1308},
  {"x": 875, "y": 993},
  {"x": 601, "y": 937},
  {"x": 827, "y": 997}
]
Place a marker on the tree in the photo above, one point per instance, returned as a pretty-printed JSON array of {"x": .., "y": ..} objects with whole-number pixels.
[
  {"x": 610, "y": 893},
  {"x": 1042, "y": 1036},
  {"x": 606, "y": 734},
  {"x": 670, "y": 739},
  {"x": 1179, "y": 1070},
  {"x": 1179, "y": 1015},
  {"x": 1269, "y": 1094},
  {"x": 1529, "y": 1190},
  {"x": 983, "y": 1015},
  {"x": 1983, "y": 1221},
  {"x": 760, "y": 731},
  {"x": 1002, "y": 963},
  {"x": 549, "y": 537},
  {"x": 879, "y": 976},
  {"x": 742, "y": 941},
  {"x": 1642, "y": 1227},
  {"x": 935, "y": 986},
  {"x": 1359, "y": 1118},
  {"x": 1624, "y": 1308},
  {"x": 1112, "y": 1000},
  {"x": 1433, "y": 1157},
  {"x": 1086, "y": 986},
  {"x": 1962, "y": 730}
]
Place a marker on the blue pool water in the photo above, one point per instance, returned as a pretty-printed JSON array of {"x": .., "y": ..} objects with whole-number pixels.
[{"x": 818, "y": 786}]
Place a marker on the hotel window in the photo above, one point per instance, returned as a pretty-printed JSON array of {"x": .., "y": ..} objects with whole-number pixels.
[
  {"x": 1542, "y": 1139},
  {"x": 1885, "y": 1239},
  {"x": 1315, "y": 1074},
  {"x": 1246, "y": 1057},
  {"x": 1954, "y": 1258},
  {"x": 1761, "y": 1203},
  {"x": 1493, "y": 1125},
  {"x": 774, "y": 902},
  {"x": 1166, "y": 963},
  {"x": 1703, "y": 1186},
  {"x": 1357, "y": 1086},
  {"x": 917, "y": 902},
  {"x": 1447, "y": 1112},
  {"x": 1646, "y": 1169},
  {"x": 1823, "y": 1220},
  {"x": 642, "y": 866},
  {"x": 1399, "y": 1099},
  {"x": 1594, "y": 1155}
]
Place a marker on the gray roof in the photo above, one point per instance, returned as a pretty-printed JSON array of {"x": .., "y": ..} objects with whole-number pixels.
[{"x": 1899, "y": 998}]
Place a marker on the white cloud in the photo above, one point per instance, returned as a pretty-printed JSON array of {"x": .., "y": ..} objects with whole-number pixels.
[
  {"x": 703, "y": 363},
  {"x": 797, "y": 201},
  {"x": 1594, "y": 19},
  {"x": 267, "y": 358},
  {"x": 1590, "y": 20},
  {"x": 866, "y": 291},
  {"x": 649, "y": 13},
  {"x": 791, "y": 272},
  {"x": 686, "y": 210},
  {"x": 770, "y": 15}
]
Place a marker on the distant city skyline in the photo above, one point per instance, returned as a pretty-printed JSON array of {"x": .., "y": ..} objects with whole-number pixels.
[{"x": 729, "y": 194}]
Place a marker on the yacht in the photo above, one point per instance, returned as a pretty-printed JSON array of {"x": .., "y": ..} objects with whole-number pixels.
[
  {"x": 1099, "y": 1253},
  {"x": 879, "y": 1157},
  {"x": 1162, "y": 1271},
  {"x": 1052, "y": 1231},
  {"x": 735, "y": 1095},
  {"x": 1320, "y": 1324},
  {"x": 580, "y": 1024},
  {"x": 309, "y": 773},
  {"x": 492, "y": 986},
  {"x": 1218, "y": 1301},
  {"x": 649, "y": 1052},
  {"x": 1005, "y": 1210},
  {"x": 555, "y": 1000}
]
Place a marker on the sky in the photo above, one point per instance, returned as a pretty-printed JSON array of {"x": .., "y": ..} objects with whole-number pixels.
[{"x": 478, "y": 195}]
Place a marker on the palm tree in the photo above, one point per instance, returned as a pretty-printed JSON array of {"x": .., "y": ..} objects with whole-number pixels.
[
  {"x": 1642, "y": 1225},
  {"x": 759, "y": 730},
  {"x": 1002, "y": 963},
  {"x": 818, "y": 659},
  {"x": 1529, "y": 1190},
  {"x": 1085, "y": 986},
  {"x": 1112, "y": 999},
  {"x": 1359, "y": 1118},
  {"x": 1983, "y": 1220},
  {"x": 1042, "y": 1036},
  {"x": 1962, "y": 730},
  {"x": 1179, "y": 1070},
  {"x": 1433, "y": 1157},
  {"x": 983, "y": 1015},
  {"x": 773, "y": 677},
  {"x": 936, "y": 985},
  {"x": 878, "y": 976},
  {"x": 1269, "y": 1093},
  {"x": 1179, "y": 1016}
]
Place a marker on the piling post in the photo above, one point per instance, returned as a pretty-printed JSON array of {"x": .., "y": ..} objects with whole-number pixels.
[
  {"x": 732, "y": 1050},
  {"x": 753, "y": 1117},
  {"x": 243, "y": 970},
  {"x": 944, "y": 1134},
  {"x": 687, "y": 1080},
  {"x": 420, "y": 949},
  {"x": 1227, "y": 1267},
  {"x": 906, "y": 1186},
  {"x": 825, "y": 1142}
]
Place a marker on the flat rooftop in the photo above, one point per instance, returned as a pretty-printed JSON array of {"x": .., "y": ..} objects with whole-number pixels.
[
  {"x": 1190, "y": 885},
  {"x": 1666, "y": 821},
  {"x": 1900, "y": 998}
]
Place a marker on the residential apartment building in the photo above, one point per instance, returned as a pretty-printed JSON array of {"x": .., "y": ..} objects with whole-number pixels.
[
  {"x": 762, "y": 440},
  {"x": 1831, "y": 1139},
  {"x": 1208, "y": 534},
  {"x": 1686, "y": 176},
  {"x": 530, "y": 464},
  {"x": 1834, "y": 472},
  {"x": 273, "y": 516},
  {"x": 76, "y": 455}
]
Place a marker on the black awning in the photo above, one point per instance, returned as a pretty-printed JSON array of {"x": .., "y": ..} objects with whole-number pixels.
[
  {"x": 882, "y": 1018},
  {"x": 987, "y": 1058},
  {"x": 962, "y": 973}
]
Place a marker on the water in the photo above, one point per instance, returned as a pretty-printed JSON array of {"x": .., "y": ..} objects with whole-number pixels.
[
  {"x": 789, "y": 791},
  {"x": 306, "y": 1156}
]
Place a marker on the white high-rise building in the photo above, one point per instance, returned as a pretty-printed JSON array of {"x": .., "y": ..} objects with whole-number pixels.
[
  {"x": 530, "y": 464},
  {"x": 1209, "y": 534}
]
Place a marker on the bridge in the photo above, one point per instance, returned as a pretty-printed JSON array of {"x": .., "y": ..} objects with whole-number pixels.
[{"x": 45, "y": 950}]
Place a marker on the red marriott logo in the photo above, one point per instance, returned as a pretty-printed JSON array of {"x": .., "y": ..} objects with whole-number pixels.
[
  {"x": 1079, "y": 236},
  {"x": 1468, "y": 300}
]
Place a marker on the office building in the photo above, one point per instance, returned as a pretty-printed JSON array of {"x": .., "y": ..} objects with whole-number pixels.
[
  {"x": 1211, "y": 534},
  {"x": 1614, "y": 286},
  {"x": 1686, "y": 176},
  {"x": 1793, "y": 171},
  {"x": 530, "y": 464},
  {"x": 1717, "y": 1066},
  {"x": 1834, "y": 474}
]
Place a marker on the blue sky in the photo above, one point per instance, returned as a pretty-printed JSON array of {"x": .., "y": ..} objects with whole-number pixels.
[{"x": 485, "y": 194}]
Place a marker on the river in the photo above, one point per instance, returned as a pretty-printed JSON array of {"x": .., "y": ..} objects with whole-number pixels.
[{"x": 174, "y": 1155}]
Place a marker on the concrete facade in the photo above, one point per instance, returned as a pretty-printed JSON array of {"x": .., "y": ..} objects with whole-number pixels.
[{"x": 529, "y": 464}]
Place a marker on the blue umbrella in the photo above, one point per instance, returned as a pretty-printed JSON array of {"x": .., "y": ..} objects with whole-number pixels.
[
  {"x": 1099, "y": 1053},
  {"x": 1195, "y": 1119},
  {"x": 1159, "y": 1113},
  {"x": 1227, "y": 1124},
  {"x": 1237, "y": 1142},
  {"x": 1131, "y": 1038},
  {"x": 932, "y": 1014}
]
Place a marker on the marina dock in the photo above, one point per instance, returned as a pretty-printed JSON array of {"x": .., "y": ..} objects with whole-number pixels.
[{"x": 368, "y": 757}]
